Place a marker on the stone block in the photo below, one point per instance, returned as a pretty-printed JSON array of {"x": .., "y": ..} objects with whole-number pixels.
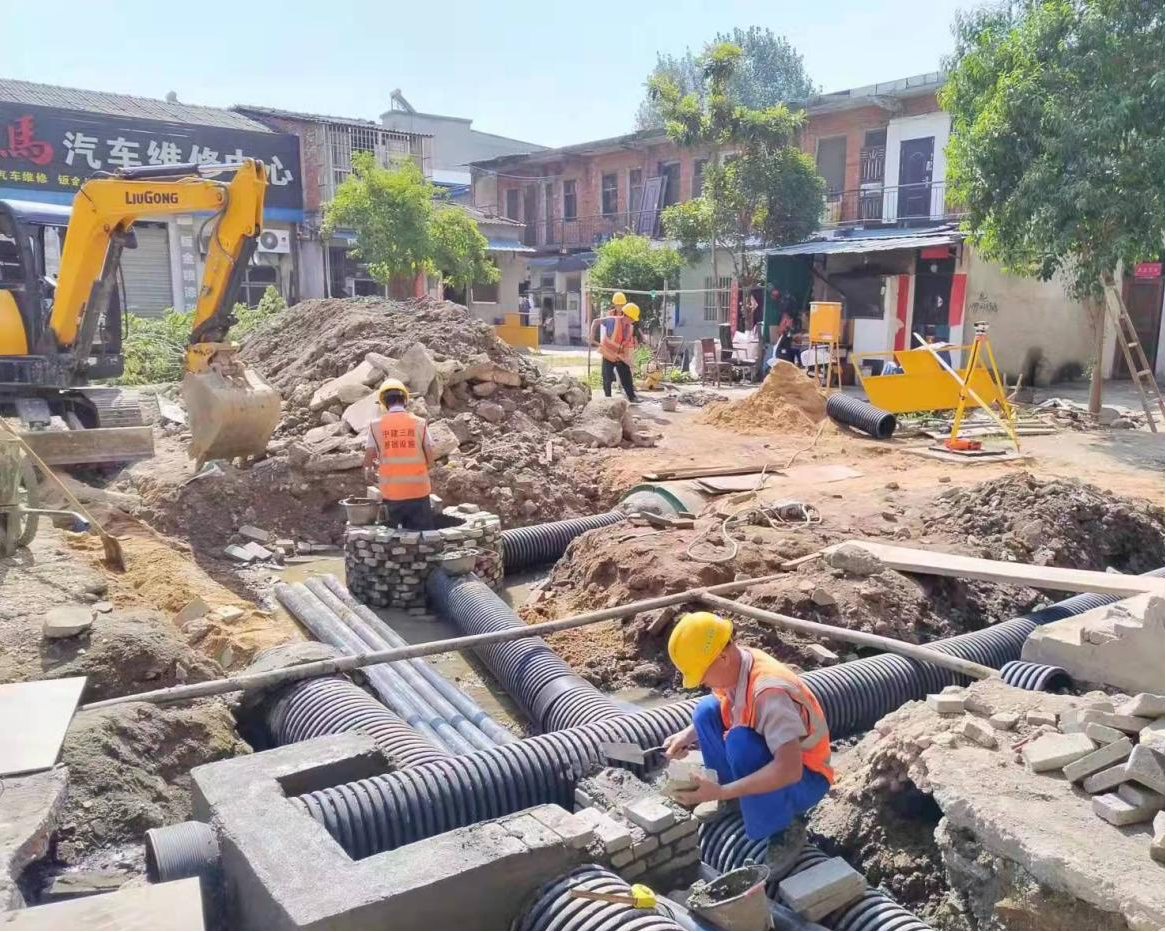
[
  {"x": 823, "y": 655},
  {"x": 1137, "y": 795},
  {"x": 822, "y": 889},
  {"x": 656, "y": 859},
  {"x": 611, "y": 833},
  {"x": 645, "y": 846},
  {"x": 946, "y": 703},
  {"x": 1004, "y": 721},
  {"x": 707, "y": 812},
  {"x": 1158, "y": 843},
  {"x": 1145, "y": 767},
  {"x": 66, "y": 621},
  {"x": 242, "y": 554},
  {"x": 1131, "y": 724},
  {"x": 1105, "y": 780},
  {"x": 976, "y": 731},
  {"x": 680, "y": 830},
  {"x": 1144, "y": 705},
  {"x": 1052, "y": 752},
  {"x": 650, "y": 813},
  {"x": 622, "y": 858},
  {"x": 575, "y": 832},
  {"x": 634, "y": 870},
  {"x": 256, "y": 534},
  {"x": 1103, "y": 757},
  {"x": 1102, "y": 734},
  {"x": 1116, "y": 811},
  {"x": 1040, "y": 717}
]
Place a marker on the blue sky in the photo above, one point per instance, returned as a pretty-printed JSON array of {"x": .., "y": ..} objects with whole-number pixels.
[{"x": 549, "y": 72}]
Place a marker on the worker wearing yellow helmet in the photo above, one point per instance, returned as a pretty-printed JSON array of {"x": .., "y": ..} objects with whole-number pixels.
[
  {"x": 397, "y": 456},
  {"x": 762, "y": 731},
  {"x": 615, "y": 335}
]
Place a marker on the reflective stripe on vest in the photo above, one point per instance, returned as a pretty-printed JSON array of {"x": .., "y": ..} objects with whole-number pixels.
[
  {"x": 767, "y": 673},
  {"x": 402, "y": 471},
  {"x": 614, "y": 347}
]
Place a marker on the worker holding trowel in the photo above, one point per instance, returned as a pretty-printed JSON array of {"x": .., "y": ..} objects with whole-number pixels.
[
  {"x": 398, "y": 454},
  {"x": 761, "y": 730}
]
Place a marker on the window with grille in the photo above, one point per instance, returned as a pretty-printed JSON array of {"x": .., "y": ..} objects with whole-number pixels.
[
  {"x": 512, "y": 204},
  {"x": 387, "y": 148},
  {"x": 714, "y": 296},
  {"x": 570, "y": 208},
  {"x": 610, "y": 194},
  {"x": 635, "y": 191}
]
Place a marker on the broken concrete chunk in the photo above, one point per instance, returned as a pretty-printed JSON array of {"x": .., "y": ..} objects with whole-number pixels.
[
  {"x": 1116, "y": 811},
  {"x": 1145, "y": 767},
  {"x": 650, "y": 814},
  {"x": 822, "y": 654},
  {"x": 854, "y": 560},
  {"x": 1090, "y": 764},
  {"x": 611, "y": 833},
  {"x": 103, "y": 607},
  {"x": 1005, "y": 721},
  {"x": 1131, "y": 724},
  {"x": 976, "y": 731},
  {"x": 346, "y": 388},
  {"x": 254, "y": 533},
  {"x": 1140, "y": 796},
  {"x": 1051, "y": 752},
  {"x": 946, "y": 704},
  {"x": 1102, "y": 734},
  {"x": 1040, "y": 717},
  {"x": 1158, "y": 844},
  {"x": 489, "y": 411},
  {"x": 66, "y": 621},
  {"x": 230, "y": 613},
  {"x": 822, "y": 889},
  {"x": 257, "y": 551},
  {"x": 822, "y": 598},
  {"x": 1144, "y": 705},
  {"x": 242, "y": 554},
  {"x": 443, "y": 439},
  {"x": 193, "y": 609}
]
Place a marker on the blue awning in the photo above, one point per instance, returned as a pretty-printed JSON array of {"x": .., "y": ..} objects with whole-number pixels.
[{"x": 496, "y": 244}]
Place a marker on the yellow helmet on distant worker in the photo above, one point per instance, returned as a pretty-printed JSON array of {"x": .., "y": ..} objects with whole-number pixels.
[
  {"x": 618, "y": 299},
  {"x": 391, "y": 385},
  {"x": 695, "y": 642},
  {"x": 631, "y": 311}
]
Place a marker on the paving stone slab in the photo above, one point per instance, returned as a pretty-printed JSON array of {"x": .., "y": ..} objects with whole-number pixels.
[
  {"x": 1113, "y": 753},
  {"x": 1052, "y": 752}
]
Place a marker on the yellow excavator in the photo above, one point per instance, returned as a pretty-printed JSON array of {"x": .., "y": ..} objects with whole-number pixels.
[{"x": 57, "y": 336}]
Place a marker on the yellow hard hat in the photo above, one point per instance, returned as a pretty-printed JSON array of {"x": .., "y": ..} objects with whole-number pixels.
[
  {"x": 695, "y": 642},
  {"x": 631, "y": 311},
  {"x": 618, "y": 299},
  {"x": 391, "y": 385}
]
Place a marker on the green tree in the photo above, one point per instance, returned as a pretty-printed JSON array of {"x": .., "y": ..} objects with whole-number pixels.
[
  {"x": 1057, "y": 138},
  {"x": 402, "y": 228},
  {"x": 771, "y": 72},
  {"x": 634, "y": 263},
  {"x": 768, "y": 192}
]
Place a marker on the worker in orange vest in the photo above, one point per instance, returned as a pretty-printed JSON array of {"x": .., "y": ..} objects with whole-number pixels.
[
  {"x": 615, "y": 335},
  {"x": 761, "y": 730},
  {"x": 398, "y": 455}
]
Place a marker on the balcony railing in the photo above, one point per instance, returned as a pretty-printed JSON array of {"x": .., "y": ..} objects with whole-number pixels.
[
  {"x": 872, "y": 161},
  {"x": 900, "y": 205}
]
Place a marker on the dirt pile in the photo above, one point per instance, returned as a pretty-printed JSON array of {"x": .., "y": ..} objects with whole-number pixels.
[
  {"x": 1056, "y": 522},
  {"x": 788, "y": 401}
]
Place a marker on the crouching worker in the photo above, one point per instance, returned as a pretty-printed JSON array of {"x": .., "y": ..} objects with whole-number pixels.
[
  {"x": 761, "y": 730},
  {"x": 398, "y": 455}
]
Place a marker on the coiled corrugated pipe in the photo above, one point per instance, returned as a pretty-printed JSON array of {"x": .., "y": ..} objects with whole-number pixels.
[
  {"x": 389, "y": 810},
  {"x": 555, "y": 908},
  {"x": 860, "y": 415},
  {"x": 724, "y": 846},
  {"x": 526, "y": 547},
  {"x": 549, "y": 691},
  {"x": 1039, "y": 677},
  {"x": 331, "y": 706}
]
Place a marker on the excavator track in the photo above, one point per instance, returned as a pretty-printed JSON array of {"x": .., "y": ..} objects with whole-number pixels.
[{"x": 112, "y": 406}]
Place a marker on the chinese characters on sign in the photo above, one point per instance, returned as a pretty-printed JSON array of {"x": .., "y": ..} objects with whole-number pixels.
[
  {"x": 57, "y": 150},
  {"x": 188, "y": 260}
]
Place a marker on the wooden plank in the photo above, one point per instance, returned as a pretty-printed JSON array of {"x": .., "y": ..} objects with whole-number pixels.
[
  {"x": 34, "y": 717},
  {"x": 97, "y": 445},
  {"x": 933, "y": 563},
  {"x": 699, "y": 472}
]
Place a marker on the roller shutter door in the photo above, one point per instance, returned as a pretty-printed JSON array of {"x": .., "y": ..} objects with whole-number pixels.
[{"x": 146, "y": 271}]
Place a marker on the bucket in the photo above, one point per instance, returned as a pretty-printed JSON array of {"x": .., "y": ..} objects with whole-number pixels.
[
  {"x": 361, "y": 510},
  {"x": 668, "y": 403},
  {"x": 735, "y": 900},
  {"x": 459, "y": 562}
]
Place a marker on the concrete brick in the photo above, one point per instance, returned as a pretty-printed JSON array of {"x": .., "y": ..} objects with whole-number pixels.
[
  {"x": 976, "y": 731},
  {"x": 1131, "y": 724},
  {"x": 583, "y": 800},
  {"x": 1040, "y": 717},
  {"x": 1102, "y": 734},
  {"x": 949, "y": 704},
  {"x": 1051, "y": 752},
  {"x": 645, "y": 847},
  {"x": 1004, "y": 721},
  {"x": 611, "y": 833},
  {"x": 821, "y": 889},
  {"x": 680, "y": 830},
  {"x": 574, "y": 831},
  {"x": 620, "y": 858},
  {"x": 1105, "y": 780},
  {"x": 1071, "y": 723},
  {"x": 663, "y": 856},
  {"x": 1158, "y": 844},
  {"x": 634, "y": 870},
  {"x": 530, "y": 831},
  {"x": 1082, "y": 767},
  {"x": 650, "y": 813},
  {"x": 1116, "y": 811},
  {"x": 1145, "y": 767},
  {"x": 1137, "y": 795},
  {"x": 1144, "y": 705}
]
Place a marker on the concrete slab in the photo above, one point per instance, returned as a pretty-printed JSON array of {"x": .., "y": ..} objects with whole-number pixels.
[
  {"x": 30, "y": 808},
  {"x": 34, "y": 717},
  {"x": 1120, "y": 645},
  {"x": 161, "y": 907}
]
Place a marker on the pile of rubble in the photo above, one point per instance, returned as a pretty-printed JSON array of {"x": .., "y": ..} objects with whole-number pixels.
[
  {"x": 788, "y": 402},
  {"x": 1075, "y": 415}
]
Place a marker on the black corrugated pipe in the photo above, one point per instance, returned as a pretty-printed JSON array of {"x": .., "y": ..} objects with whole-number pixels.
[
  {"x": 1039, "y": 677},
  {"x": 724, "y": 846},
  {"x": 860, "y": 415},
  {"x": 188, "y": 849},
  {"x": 526, "y": 547},
  {"x": 554, "y": 907},
  {"x": 331, "y": 706},
  {"x": 549, "y": 691},
  {"x": 389, "y": 810}
]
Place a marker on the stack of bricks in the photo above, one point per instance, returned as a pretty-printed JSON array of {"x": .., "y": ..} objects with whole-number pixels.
[
  {"x": 646, "y": 838},
  {"x": 387, "y": 567}
]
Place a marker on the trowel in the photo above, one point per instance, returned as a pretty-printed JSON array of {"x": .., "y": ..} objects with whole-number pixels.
[{"x": 627, "y": 751}]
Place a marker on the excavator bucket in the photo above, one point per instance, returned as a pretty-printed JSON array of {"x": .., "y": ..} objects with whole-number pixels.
[{"x": 231, "y": 414}]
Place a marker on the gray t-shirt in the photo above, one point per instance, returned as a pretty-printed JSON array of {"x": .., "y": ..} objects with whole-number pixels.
[{"x": 779, "y": 720}]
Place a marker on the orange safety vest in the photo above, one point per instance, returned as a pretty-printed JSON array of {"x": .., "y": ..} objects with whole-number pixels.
[
  {"x": 402, "y": 471},
  {"x": 765, "y": 674},
  {"x": 618, "y": 345}
]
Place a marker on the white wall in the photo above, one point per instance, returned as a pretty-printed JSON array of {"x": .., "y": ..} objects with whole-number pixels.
[
  {"x": 692, "y": 325},
  {"x": 512, "y": 267},
  {"x": 937, "y": 125}
]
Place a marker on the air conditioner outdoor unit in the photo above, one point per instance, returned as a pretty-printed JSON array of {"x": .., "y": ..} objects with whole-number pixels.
[{"x": 274, "y": 241}]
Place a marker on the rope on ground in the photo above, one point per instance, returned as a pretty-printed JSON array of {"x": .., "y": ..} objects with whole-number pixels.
[{"x": 773, "y": 514}]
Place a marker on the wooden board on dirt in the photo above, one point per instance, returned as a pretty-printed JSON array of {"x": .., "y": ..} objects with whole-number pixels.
[
  {"x": 95, "y": 445},
  {"x": 933, "y": 563},
  {"x": 828, "y": 472},
  {"x": 699, "y": 472}
]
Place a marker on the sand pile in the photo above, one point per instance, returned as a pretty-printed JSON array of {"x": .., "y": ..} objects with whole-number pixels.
[{"x": 788, "y": 402}]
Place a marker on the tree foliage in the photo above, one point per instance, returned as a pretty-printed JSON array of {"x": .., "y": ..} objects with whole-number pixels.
[
  {"x": 402, "y": 228},
  {"x": 767, "y": 192},
  {"x": 634, "y": 263},
  {"x": 771, "y": 71},
  {"x": 1056, "y": 146}
]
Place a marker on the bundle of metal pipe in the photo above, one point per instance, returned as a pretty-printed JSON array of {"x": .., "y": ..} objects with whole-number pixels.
[
  {"x": 556, "y": 907},
  {"x": 549, "y": 691},
  {"x": 526, "y": 547},
  {"x": 389, "y": 683},
  {"x": 724, "y": 846}
]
